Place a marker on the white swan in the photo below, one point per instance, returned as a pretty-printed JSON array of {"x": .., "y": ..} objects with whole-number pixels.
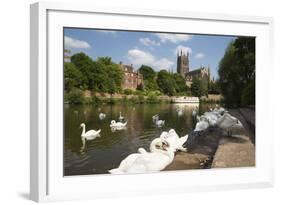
[
  {"x": 160, "y": 123},
  {"x": 102, "y": 116},
  {"x": 202, "y": 125},
  {"x": 121, "y": 118},
  {"x": 175, "y": 142},
  {"x": 117, "y": 125},
  {"x": 194, "y": 113},
  {"x": 180, "y": 112},
  {"x": 89, "y": 135},
  {"x": 142, "y": 150},
  {"x": 212, "y": 117},
  {"x": 156, "y": 160},
  {"x": 228, "y": 122},
  {"x": 155, "y": 117}
]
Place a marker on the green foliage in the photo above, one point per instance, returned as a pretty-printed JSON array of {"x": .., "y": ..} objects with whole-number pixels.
[
  {"x": 152, "y": 99},
  {"x": 180, "y": 83},
  {"x": 199, "y": 87},
  {"x": 248, "y": 94},
  {"x": 75, "y": 96},
  {"x": 237, "y": 70},
  {"x": 147, "y": 72},
  {"x": 141, "y": 99},
  {"x": 166, "y": 83},
  {"x": 72, "y": 77},
  {"x": 128, "y": 91},
  {"x": 213, "y": 87},
  {"x": 102, "y": 75},
  {"x": 96, "y": 100}
]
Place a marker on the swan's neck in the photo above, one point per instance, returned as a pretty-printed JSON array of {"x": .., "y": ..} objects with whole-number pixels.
[{"x": 83, "y": 130}]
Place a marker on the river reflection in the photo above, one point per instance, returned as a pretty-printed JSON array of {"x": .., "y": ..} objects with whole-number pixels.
[{"x": 107, "y": 151}]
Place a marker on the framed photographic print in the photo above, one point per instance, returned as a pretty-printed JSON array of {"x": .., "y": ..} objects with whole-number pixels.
[{"x": 128, "y": 102}]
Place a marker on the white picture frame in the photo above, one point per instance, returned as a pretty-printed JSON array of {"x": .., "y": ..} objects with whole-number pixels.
[{"x": 47, "y": 182}]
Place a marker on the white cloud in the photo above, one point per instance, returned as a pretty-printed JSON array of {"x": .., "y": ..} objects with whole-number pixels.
[
  {"x": 173, "y": 38},
  {"x": 199, "y": 55},
  {"x": 75, "y": 43},
  {"x": 148, "y": 42},
  {"x": 138, "y": 57},
  {"x": 182, "y": 48}
]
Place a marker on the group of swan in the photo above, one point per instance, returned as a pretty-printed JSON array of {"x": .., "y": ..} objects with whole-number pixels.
[
  {"x": 162, "y": 152},
  {"x": 157, "y": 159},
  {"x": 93, "y": 134},
  {"x": 175, "y": 142},
  {"x": 217, "y": 117}
]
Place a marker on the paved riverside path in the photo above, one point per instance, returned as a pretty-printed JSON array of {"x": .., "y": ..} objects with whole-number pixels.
[
  {"x": 217, "y": 150},
  {"x": 238, "y": 150}
]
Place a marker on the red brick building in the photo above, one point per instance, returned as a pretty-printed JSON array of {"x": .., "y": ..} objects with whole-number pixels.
[{"x": 132, "y": 79}]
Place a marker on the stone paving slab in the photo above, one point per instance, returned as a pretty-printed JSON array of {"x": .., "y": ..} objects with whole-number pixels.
[{"x": 235, "y": 151}]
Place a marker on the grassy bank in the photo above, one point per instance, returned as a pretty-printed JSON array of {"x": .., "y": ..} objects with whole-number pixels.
[{"x": 78, "y": 97}]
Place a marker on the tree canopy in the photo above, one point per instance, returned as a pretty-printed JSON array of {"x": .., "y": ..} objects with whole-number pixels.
[
  {"x": 101, "y": 75},
  {"x": 237, "y": 72}
]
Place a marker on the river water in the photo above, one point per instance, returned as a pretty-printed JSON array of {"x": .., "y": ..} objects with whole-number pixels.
[{"x": 107, "y": 151}]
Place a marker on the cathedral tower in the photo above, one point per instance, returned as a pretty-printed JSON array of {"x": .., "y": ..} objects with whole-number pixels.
[{"x": 183, "y": 63}]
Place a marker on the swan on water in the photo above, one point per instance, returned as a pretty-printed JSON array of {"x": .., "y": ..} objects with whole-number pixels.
[
  {"x": 175, "y": 142},
  {"x": 121, "y": 118},
  {"x": 157, "y": 159},
  {"x": 89, "y": 135},
  {"x": 194, "y": 113},
  {"x": 155, "y": 117},
  {"x": 102, "y": 116},
  {"x": 180, "y": 112},
  {"x": 117, "y": 125},
  {"x": 160, "y": 123}
]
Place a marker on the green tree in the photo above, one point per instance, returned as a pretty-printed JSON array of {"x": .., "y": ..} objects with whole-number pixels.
[
  {"x": 149, "y": 76},
  {"x": 147, "y": 72},
  {"x": 198, "y": 87},
  {"x": 237, "y": 71},
  {"x": 166, "y": 83},
  {"x": 180, "y": 83},
  {"x": 84, "y": 64},
  {"x": 213, "y": 87},
  {"x": 72, "y": 77}
]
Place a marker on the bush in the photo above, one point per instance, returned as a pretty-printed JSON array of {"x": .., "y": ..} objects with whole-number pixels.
[
  {"x": 152, "y": 99},
  {"x": 141, "y": 99},
  {"x": 75, "y": 96},
  {"x": 128, "y": 91},
  {"x": 248, "y": 94},
  {"x": 96, "y": 100}
]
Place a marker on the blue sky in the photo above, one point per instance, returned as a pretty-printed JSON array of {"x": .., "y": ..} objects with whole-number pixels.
[{"x": 157, "y": 50}]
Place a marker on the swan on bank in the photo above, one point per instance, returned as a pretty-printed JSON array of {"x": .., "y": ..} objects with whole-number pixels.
[
  {"x": 175, "y": 142},
  {"x": 89, "y": 135},
  {"x": 156, "y": 160},
  {"x": 228, "y": 122}
]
